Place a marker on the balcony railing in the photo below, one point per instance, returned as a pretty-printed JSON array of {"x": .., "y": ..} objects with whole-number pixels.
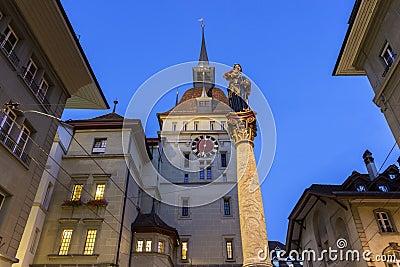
[
  {"x": 14, "y": 148},
  {"x": 9, "y": 54}
]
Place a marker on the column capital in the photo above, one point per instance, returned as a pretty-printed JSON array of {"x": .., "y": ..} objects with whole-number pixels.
[{"x": 242, "y": 126}]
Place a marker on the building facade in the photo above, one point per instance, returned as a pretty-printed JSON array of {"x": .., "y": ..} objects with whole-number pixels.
[
  {"x": 370, "y": 48},
  {"x": 359, "y": 217},
  {"x": 35, "y": 79}
]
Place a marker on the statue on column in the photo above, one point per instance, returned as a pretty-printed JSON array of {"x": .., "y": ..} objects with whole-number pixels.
[{"x": 238, "y": 89}]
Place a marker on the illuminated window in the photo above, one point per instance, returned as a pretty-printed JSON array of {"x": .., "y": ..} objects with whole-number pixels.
[
  {"x": 99, "y": 191},
  {"x": 139, "y": 246},
  {"x": 77, "y": 192},
  {"x": 148, "y": 245},
  {"x": 229, "y": 250},
  {"x": 161, "y": 246},
  {"x": 184, "y": 250},
  {"x": 65, "y": 241},
  {"x": 384, "y": 221},
  {"x": 90, "y": 240},
  {"x": 99, "y": 146}
]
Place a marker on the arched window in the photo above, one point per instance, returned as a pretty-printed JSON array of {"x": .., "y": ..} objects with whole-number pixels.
[{"x": 392, "y": 253}]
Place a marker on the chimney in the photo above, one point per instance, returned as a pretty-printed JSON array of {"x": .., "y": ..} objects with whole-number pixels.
[{"x": 370, "y": 164}]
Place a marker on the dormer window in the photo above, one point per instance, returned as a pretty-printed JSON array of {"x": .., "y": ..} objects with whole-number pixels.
[
  {"x": 361, "y": 188},
  {"x": 383, "y": 188},
  {"x": 392, "y": 175}
]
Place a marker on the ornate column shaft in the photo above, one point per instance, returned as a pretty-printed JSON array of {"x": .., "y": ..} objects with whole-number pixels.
[{"x": 243, "y": 129}]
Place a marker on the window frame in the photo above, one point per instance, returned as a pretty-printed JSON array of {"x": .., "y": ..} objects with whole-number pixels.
[
  {"x": 148, "y": 248},
  {"x": 90, "y": 242},
  {"x": 161, "y": 249},
  {"x": 31, "y": 63},
  {"x": 186, "y": 178},
  {"x": 227, "y": 206},
  {"x": 391, "y": 55},
  {"x": 185, "y": 208},
  {"x": 202, "y": 174},
  {"x": 209, "y": 173},
  {"x": 34, "y": 242},
  {"x": 99, "y": 145},
  {"x": 7, "y": 37},
  {"x": 41, "y": 94},
  {"x": 229, "y": 254},
  {"x": 98, "y": 196},
  {"x": 381, "y": 221},
  {"x": 6, "y": 115},
  {"x": 74, "y": 192},
  {"x": 67, "y": 238},
  {"x": 24, "y": 130},
  {"x": 184, "y": 245},
  {"x": 139, "y": 241},
  {"x": 224, "y": 161},
  {"x": 196, "y": 126}
]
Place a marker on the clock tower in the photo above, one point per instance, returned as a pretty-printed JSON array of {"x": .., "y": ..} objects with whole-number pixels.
[{"x": 197, "y": 165}]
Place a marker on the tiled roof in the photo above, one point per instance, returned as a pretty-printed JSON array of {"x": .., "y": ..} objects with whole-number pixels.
[{"x": 108, "y": 117}]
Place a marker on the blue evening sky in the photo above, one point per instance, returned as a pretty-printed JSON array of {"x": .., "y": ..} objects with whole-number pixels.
[{"x": 289, "y": 48}]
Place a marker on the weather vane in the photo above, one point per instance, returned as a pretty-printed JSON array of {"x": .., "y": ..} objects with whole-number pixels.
[{"x": 202, "y": 22}]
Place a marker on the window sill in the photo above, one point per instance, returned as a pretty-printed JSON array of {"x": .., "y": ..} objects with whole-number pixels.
[{"x": 69, "y": 256}]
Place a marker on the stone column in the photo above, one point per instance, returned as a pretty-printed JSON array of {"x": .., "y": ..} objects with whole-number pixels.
[{"x": 243, "y": 129}]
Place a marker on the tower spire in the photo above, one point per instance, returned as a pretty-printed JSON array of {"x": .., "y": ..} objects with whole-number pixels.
[
  {"x": 203, "y": 74},
  {"x": 203, "y": 51}
]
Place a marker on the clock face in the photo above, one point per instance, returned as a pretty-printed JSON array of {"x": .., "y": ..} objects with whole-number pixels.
[{"x": 204, "y": 146}]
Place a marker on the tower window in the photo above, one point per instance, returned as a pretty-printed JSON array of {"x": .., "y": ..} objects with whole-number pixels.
[
  {"x": 185, "y": 208},
  {"x": 209, "y": 173},
  {"x": 229, "y": 249},
  {"x": 202, "y": 174},
  {"x": 223, "y": 125},
  {"x": 148, "y": 245},
  {"x": 99, "y": 146},
  {"x": 184, "y": 250},
  {"x": 186, "y": 160},
  {"x": 185, "y": 126},
  {"x": 223, "y": 160},
  {"x": 384, "y": 221},
  {"x": 65, "y": 241},
  {"x": 186, "y": 179},
  {"x": 196, "y": 125},
  {"x": 212, "y": 125},
  {"x": 139, "y": 246},
  {"x": 174, "y": 126},
  {"x": 227, "y": 206},
  {"x": 161, "y": 246}
]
